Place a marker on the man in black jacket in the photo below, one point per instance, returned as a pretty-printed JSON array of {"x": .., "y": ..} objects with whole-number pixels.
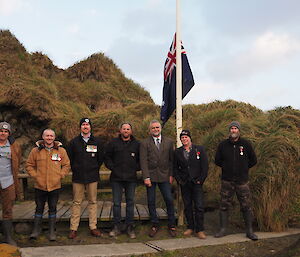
[
  {"x": 86, "y": 156},
  {"x": 190, "y": 171},
  {"x": 122, "y": 158},
  {"x": 235, "y": 156}
]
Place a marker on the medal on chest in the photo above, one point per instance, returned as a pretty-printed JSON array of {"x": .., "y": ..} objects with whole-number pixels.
[
  {"x": 241, "y": 150},
  {"x": 56, "y": 157},
  {"x": 91, "y": 148},
  {"x": 198, "y": 155}
]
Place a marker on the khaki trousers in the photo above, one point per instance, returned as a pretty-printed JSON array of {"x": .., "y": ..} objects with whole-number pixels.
[{"x": 78, "y": 195}]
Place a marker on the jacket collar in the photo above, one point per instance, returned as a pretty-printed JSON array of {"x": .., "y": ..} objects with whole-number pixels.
[{"x": 41, "y": 145}]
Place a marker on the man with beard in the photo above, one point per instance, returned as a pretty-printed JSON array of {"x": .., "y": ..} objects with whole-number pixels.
[
  {"x": 10, "y": 158},
  {"x": 47, "y": 163},
  {"x": 122, "y": 158},
  {"x": 86, "y": 156},
  {"x": 235, "y": 156},
  {"x": 156, "y": 154}
]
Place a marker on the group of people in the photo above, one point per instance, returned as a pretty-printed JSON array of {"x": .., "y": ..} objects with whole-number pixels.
[{"x": 124, "y": 155}]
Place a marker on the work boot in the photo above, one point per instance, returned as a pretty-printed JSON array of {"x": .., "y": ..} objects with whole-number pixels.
[
  {"x": 248, "y": 218},
  {"x": 52, "y": 235},
  {"x": 115, "y": 231},
  {"x": 7, "y": 232},
  {"x": 223, "y": 224},
  {"x": 130, "y": 232},
  {"x": 36, "y": 228}
]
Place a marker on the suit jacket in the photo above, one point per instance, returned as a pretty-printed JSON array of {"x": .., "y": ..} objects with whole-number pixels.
[
  {"x": 194, "y": 169},
  {"x": 157, "y": 164}
]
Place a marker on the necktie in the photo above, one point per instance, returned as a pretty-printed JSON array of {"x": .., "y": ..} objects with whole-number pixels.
[{"x": 157, "y": 143}]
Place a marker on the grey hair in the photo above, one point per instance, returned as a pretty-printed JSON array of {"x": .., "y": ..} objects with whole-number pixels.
[
  {"x": 48, "y": 129},
  {"x": 154, "y": 121}
]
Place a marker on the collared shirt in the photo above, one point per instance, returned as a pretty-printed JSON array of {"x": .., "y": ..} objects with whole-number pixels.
[
  {"x": 6, "y": 177},
  {"x": 155, "y": 140},
  {"x": 86, "y": 139}
]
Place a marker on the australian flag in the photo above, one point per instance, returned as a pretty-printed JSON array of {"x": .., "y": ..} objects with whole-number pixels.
[{"x": 169, "y": 90}]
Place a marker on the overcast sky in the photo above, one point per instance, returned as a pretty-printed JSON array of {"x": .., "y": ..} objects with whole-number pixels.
[{"x": 246, "y": 50}]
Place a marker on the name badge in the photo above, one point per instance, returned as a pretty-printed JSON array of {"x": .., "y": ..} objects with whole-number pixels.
[
  {"x": 132, "y": 154},
  {"x": 91, "y": 148},
  {"x": 55, "y": 157}
]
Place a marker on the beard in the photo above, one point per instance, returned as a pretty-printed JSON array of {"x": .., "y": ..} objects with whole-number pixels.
[{"x": 234, "y": 136}]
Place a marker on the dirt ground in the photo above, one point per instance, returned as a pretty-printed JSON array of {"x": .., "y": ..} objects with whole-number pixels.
[{"x": 278, "y": 247}]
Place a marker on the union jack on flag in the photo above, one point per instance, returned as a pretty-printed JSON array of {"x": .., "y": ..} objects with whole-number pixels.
[{"x": 169, "y": 90}]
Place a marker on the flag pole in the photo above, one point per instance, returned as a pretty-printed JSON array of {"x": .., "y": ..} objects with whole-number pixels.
[{"x": 178, "y": 102}]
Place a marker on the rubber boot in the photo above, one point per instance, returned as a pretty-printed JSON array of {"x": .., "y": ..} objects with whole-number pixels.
[
  {"x": 52, "y": 235},
  {"x": 37, "y": 229},
  {"x": 248, "y": 218},
  {"x": 7, "y": 232},
  {"x": 223, "y": 224}
]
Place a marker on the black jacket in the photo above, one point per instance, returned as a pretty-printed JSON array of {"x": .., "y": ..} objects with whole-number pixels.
[
  {"x": 194, "y": 169},
  {"x": 122, "y": 158},
  {"x": 86, "y": 159},
  {"x": 235, "y": 159}
]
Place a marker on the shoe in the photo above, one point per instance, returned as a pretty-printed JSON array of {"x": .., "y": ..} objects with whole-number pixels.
[
  {"x": 95, "y": 232},
  {"x": 153, "y": 231},
  {"x": 188, "y": 232},
  {"x": 130, "y": 232},
  {"x": 172, "y": 232},
  {"x": 72, "y": 234},
  {"x": 201, "y": 235},
  {"x": 115, "y": 231}
]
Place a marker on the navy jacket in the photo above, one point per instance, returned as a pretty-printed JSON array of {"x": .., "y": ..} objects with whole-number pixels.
[
  {"x": 235, "y": 159},
  {"x": 86, "y": 159},
  {"x": 122, "y": 158},
  {"x": 194, "y": 169}
]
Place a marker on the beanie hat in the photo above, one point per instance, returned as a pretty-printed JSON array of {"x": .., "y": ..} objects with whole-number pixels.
[
  {"x": 234, "y": 124},
  {"x": 5, "y": 125},
  {"x": 185, "y": 132},
  {"x": 87, "y": 120}
]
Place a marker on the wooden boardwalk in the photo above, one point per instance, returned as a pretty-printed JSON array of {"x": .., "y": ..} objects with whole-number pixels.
[{"x": 24, "y": 211}]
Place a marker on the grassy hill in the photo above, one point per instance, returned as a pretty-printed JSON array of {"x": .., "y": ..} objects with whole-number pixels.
[{"x": 35, "y": 94}]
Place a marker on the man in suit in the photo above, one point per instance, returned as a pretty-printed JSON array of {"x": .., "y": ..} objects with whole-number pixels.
[
  {"x": 190, "y": 170},
  {"x": 156, "y": 159}
]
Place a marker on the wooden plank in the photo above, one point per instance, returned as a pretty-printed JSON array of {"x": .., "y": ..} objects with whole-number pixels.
[
  {"x": 28, "y": 211},
  {"x": 136, "y": 213},
  {"x": 67, "y": 214},
  {"x": 99, "y": 208},
  {"x": 21, "y": 209},
  {"x": 143, "y": 212},
  {"x": 123, "y": 210},
  {"x": 161, "y": 213},
  {"x": 106, "y": 211},
  {"x": 66, "y": 205}
]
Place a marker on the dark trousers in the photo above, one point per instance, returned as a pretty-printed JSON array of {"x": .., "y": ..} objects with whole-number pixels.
[
  {"x": 192, "y": 196},
  {"x": 165, "y": 189},
  {"x": 40, "y": 199},
  {"x": 8, "y": 196},
  {"x": 117, "y": 191},
  {"x": 242, "y": 191}
]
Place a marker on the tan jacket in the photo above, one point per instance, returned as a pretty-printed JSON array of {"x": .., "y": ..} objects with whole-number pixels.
[
  {"x": 15, "y": 162},
  {"x": 48, "y": 167},
  {"x": 157, "y": 164}
]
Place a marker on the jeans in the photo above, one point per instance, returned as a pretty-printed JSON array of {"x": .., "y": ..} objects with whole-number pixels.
[
  {"x": 192, "y": 196},
  {"x": 117, "y": 191},
  {"x": 165, "y": 189},
  {"x": 40, "y": 199}
]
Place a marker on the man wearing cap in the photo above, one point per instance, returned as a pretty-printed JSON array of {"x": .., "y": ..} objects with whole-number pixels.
[
  {"x": 190, "y": 171},
  {"x": 86, "y": 155},
  {"x": 122, "y": 158},
  {"x": 10, "y": 157},
  {"x": 235, "y": 156},
  {"x": 47, "y": 164},
  {"x": 156, "y": 159}
]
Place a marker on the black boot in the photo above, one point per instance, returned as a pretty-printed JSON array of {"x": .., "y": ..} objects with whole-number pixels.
[
  {"x": 248, "y": 218},
  {"x": 36, "y": 228},
  {"x": 223, "y": 224},
  {"x": 52, "y": 235},
  {"x": 7, "y": 232}
]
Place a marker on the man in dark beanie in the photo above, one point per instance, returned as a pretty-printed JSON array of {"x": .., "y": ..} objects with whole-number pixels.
[
  {"x": 190, "y": 171},
  {"x": 10, "y": 158},
  {"x": 86, "y": 154},
  {"x": 235, "y": 156}
]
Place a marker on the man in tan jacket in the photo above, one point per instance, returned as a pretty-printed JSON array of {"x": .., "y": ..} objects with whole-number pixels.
[
  {"x": 156, "y": 159},
  {"x": 47, "y": 163},
  {"x": 10, "y": 158}
]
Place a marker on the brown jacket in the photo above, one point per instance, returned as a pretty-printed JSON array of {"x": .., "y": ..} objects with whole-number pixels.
[
  {"x": 48, "y": 167},
  {"x": 157, "y": 164},
  {"x": 15, "y": 162}
]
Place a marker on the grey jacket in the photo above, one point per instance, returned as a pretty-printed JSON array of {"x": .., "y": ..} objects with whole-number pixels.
[{"x": 157, "y": 164}]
